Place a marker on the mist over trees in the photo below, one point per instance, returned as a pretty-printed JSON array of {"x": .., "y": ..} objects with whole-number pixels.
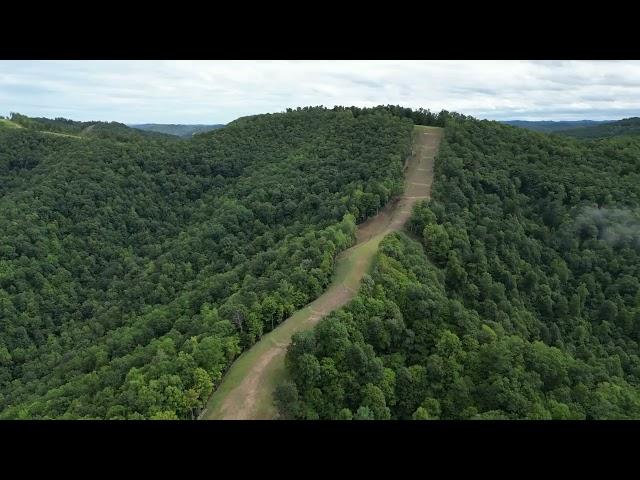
[{"x": 615, "y": 225}]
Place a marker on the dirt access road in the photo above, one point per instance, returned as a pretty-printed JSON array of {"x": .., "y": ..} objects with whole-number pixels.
[{"x": 246, "y": 391}]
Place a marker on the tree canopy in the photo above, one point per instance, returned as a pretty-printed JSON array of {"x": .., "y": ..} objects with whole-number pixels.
[
  {"x": 514, "y": 293},
  {"x": 135, "y": 267}
]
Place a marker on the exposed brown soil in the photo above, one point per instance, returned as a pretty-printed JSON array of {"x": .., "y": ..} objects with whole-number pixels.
[{"x": 242, "y": 401}]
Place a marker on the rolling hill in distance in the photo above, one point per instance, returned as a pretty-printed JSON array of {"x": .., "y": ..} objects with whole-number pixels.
[
  {"x": 179, "y": 130},
  {"x": 627, "y": 126},
  {"x": 583, "y": 129},
  {"x": 549, "y": 126}
]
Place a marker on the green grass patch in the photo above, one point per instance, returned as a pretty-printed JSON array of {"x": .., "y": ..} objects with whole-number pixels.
[
  {"x": 263, "y": 364},
  {"x": 350, "y": 267},
  {"x": 59, "y": 134},
  {"x": 5, "y": 122}
]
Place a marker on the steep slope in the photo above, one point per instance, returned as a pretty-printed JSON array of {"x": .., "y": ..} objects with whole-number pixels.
[
  {"x": 133, "y": 270},
  {"x": 523, "y": 301},
  {"x": 246, "y": 391}
]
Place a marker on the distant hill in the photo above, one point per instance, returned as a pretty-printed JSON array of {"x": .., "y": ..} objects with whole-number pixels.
[
  {"x": 549, "y": 126},
  {"x": 176, "y": 129},
  {"x": 5, "y": 122},
  {"x": 71, "y": 128},
  {"x": 626, "y": 126}
]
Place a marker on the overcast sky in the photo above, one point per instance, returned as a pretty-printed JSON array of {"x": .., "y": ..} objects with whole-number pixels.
[{"x": 220, "y": 91}]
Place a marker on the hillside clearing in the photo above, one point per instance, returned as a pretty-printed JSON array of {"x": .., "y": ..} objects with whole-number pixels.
[
  {"x": 246, "y": 390},
  {"x": 5, "y": 122}
]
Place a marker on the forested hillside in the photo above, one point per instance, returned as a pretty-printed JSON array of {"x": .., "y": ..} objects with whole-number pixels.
[
  {"x": 518, "y": 298},
  {"x": 186, "y": 131},
  {"x": 627, "y": 126},
  {"x": 551, "y": 126},
  {"x": 135, "y": 268},
  {"x": 63, "y": 126}
]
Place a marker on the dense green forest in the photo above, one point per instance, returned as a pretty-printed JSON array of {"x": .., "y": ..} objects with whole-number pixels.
[
  {"x": 135, "y": 267},
  {"x": 514, "y": 293},
  {"x": 176, "y": 129},
  {"x": 627, "y": 126}
]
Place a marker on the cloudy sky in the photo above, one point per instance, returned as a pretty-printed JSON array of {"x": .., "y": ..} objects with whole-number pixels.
[{"x": 220, "y": 91}]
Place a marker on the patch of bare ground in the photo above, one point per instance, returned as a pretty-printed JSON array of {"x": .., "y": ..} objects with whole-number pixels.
[{"x": 246, "y": 391}]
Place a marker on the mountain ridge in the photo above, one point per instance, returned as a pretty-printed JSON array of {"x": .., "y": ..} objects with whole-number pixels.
[{"x": 548, "y": 126}]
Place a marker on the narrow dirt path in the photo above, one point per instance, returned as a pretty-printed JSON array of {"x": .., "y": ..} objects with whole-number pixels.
[{"x": 246, "y": 390}]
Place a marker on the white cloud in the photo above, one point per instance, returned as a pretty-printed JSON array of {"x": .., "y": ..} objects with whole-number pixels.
[{"x": 219, "y": 91}]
